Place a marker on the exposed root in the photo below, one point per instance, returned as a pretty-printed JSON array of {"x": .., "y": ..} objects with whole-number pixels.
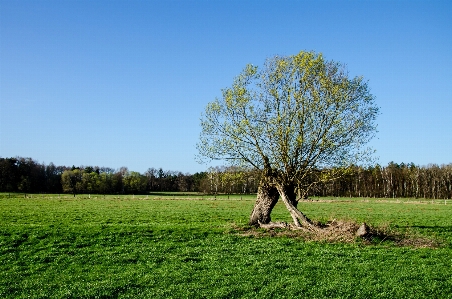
[{"x": 273, "y": 225}]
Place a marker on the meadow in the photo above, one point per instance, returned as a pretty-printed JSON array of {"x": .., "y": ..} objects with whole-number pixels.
[{"x": 173, "y": 245}]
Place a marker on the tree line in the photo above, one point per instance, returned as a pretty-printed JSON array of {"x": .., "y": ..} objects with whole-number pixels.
[
  {"x": 394, "y": 180},
  {"x": 405, "y": 180},
  {"x": 28, "y": 176}
]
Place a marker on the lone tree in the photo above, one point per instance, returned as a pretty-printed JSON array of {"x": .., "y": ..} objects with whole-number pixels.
[{"x": 298, "y": 120}]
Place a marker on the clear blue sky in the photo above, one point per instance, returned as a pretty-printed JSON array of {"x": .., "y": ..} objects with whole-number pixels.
[{"x": 124, "y": 83}]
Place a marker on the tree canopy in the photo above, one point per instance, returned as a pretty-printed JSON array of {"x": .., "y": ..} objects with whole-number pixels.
[{"x": 291, "y": 118}]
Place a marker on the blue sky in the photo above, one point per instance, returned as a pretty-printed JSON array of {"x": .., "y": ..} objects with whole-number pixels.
[{"x": 124, "y": 83}]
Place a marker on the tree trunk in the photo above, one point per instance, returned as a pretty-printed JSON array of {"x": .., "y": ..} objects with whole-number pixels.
[
  {"x": 267, "y": 197},
  {"x": 288, "y": 196}
]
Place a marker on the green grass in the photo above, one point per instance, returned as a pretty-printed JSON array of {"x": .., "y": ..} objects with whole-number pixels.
[{"x": 165, "y": 247}]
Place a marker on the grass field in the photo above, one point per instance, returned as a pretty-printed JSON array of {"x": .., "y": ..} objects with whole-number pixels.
[{"x": 185, "y": 246}]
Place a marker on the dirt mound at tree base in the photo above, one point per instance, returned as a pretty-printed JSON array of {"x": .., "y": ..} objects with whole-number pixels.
[{"x": 339, "y": 231}]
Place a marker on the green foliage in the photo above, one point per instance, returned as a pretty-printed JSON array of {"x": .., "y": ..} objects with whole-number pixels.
[
  {"x": 134, "y": 182},
  {"x": 71, "y": 180},
  {"x": 394, "y": 180},
  {"x": 295, "y": 115},
  {"x": 118, "y": 247}
]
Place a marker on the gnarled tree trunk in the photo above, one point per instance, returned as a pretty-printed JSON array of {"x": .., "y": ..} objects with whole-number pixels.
[
  {"x": 267, "y": 197},
  {"x": 288, "y": 196}
]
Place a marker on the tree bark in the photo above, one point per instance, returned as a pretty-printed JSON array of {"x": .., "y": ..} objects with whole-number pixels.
[
  {"x": 288, "y": 196},
  {"x": 267, "y": 197}
]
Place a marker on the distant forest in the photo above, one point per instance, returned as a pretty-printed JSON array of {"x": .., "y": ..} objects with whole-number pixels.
[{"x": 394, "y": 180}]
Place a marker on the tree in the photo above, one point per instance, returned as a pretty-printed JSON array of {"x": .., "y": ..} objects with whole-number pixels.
[
  {"x": 71, "y": 180},
  {"x": 134, "y": 182},
  {"x": 53, "y": 178},
  {"x": 8, "y": 174},
  {"x": 198, "y": 178},
  {"x": 290, "y": 120},
  {"x": 151, "y": 177},
  {"x": 90, "y": 181}
]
